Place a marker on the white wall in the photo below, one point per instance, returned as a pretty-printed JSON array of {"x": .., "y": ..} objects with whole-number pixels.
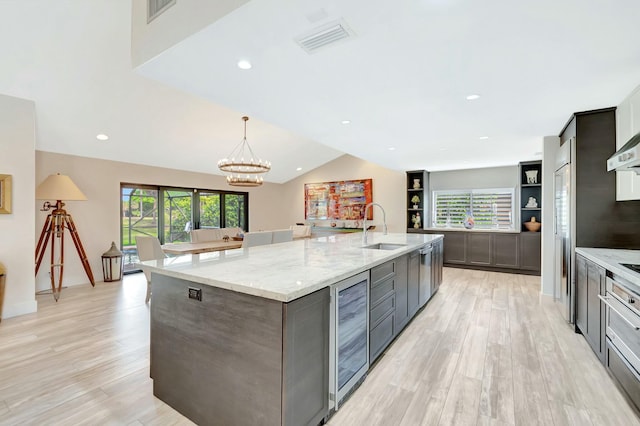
[
  {"x": 489, "y": 177},
  {"x": 181, "y": 20},
  {"x": 388, "y": 189},
  {"x": 17, "y": 233},
  {"x": 98, "y": 218},
  {"x": 550, "y": 146}
]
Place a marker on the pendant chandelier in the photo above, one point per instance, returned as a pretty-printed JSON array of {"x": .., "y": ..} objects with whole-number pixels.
[{"x": 243, "y": 167}]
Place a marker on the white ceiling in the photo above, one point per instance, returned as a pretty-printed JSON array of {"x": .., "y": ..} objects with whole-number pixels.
[{"x": 402, "y": 80}]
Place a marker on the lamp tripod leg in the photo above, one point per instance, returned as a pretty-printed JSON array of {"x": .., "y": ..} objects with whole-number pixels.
[
  {"x": 81, "y": 253},
  {"x": 57, "y": 233},
  {"x": 42, "y": 242}
]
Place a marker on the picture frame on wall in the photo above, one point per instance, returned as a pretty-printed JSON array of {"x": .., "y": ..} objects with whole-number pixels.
[{"x": 5, "y": 194}]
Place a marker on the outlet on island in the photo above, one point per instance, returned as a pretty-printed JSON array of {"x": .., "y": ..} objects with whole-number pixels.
[{"x": 195, "y": 293}]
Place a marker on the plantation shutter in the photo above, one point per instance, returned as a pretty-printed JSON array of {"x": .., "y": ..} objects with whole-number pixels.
[{"x": 490, "y": 208}]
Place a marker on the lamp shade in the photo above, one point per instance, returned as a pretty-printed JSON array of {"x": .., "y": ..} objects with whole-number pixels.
[{"x": 59, "y": 187}]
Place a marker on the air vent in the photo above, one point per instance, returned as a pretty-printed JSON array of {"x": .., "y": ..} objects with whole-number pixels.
[
  {"x": 323, "y": 36},
  {"x": 155, "y": 8}
]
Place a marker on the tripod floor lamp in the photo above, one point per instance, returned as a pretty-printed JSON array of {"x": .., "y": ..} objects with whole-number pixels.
[{"x": 59, "y": 187}]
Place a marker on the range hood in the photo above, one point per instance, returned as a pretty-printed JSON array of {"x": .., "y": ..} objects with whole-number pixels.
[{"x": 627, "y": 157}]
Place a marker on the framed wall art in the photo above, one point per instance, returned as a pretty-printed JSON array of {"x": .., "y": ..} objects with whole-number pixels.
[
  {"x": 342, "y": 200},
  {"x": 5, "y": 194}
]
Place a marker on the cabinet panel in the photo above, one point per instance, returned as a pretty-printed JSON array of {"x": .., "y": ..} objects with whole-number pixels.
[
  {"x": 380, "y": 337},
  {"x": 479, "y": 246},
  {"x": 381, "y": 310},
  {"x": 581, "y": 293},
  {"x": 506, "y": 251},
  {"x": 382, "y": 272},
  {"x": 454, "y": 249},
  {"x": 413, "y": 283},
  {"x": 402, "y": 287},
  {"x": 595, "y": 310},
  {"x": 306, "y": 359},
  {"x": 381, "y": 291},
  {"x": 530, "y": 250}
]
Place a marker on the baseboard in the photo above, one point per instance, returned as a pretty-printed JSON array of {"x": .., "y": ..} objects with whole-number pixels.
[{"x": 20, "y": 308}]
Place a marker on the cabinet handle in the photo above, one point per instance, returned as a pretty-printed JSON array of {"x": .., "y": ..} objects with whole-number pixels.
[{"x": 605, "y": 300}]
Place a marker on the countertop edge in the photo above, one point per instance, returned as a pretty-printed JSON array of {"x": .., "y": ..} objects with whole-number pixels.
[{"x": 603, "y": 256}]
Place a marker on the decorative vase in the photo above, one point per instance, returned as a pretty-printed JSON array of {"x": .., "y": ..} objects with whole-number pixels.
[
  {"x": 532, "y": 176},
  {"x": 416, "y": 184},
  {"x": 469, "y": 222},
  {"x": 415, "y": 207}
]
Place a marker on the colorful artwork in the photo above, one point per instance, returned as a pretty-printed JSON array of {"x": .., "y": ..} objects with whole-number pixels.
[{"x": 343, "y": 200}]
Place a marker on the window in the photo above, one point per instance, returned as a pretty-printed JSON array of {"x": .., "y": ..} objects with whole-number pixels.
[
  {"x": 490, "y": 208},
  {"x": 170, "y": 213}
]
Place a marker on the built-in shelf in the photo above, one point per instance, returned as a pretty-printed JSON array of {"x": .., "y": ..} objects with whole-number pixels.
[
  {"x": 421, "y": 179},
  {"x": 530, "y": 170}
]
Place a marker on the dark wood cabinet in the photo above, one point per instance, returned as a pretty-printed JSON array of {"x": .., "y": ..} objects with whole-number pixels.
[
  {"x": 413, "y": 283},
  {"x": 530, "y": 251},
  {"x": 590, "y": 311},
  {"x": 455, "y": 251},
  {"x": 479, "y": 248},
  {"x": 402, "y": 294},
  {"x": 518, "y": 252},
  {"x": 506, "y": 253},
  {"x": 600, "y": 221},
  {"x": 437, "y": 249},
  {"x": 417, "y": 199}
]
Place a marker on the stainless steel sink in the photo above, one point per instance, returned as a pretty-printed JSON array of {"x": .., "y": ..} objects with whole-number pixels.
[{"x": 385, "y": 246}]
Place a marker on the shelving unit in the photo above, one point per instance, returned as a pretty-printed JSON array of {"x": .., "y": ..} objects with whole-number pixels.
[
  {"x": 530, "y": 187},
  {"x": 422, "y": 191}
]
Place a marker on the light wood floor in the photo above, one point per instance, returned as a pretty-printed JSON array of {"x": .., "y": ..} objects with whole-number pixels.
[{"x": 486, "y": 350}]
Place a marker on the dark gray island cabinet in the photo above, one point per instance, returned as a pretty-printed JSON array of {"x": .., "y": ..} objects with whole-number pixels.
[
  {"x": 238, "y": 359},
  {"x": 245, "y": 337}
]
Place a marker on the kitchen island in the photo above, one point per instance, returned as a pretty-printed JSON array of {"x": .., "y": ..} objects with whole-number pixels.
[{"x": 242, "y": 336}]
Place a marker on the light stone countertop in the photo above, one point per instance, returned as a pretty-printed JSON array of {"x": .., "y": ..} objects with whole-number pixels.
[
  {"x": 611, "y": 260},
  {"x": 287, "y": 271}
]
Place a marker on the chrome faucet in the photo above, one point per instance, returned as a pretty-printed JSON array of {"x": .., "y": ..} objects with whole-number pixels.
[{"x": 364, "y": 223}]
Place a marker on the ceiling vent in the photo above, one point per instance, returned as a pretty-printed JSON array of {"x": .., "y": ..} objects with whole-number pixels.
[
  {"x": 155, "y": 8},
  {"x": 325, "y": 35}
]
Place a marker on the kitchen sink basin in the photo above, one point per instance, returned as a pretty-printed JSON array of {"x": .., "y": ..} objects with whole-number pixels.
[{"x": 385, "y": 246}]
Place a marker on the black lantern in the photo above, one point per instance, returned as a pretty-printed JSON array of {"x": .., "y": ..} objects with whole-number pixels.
[{"x": 112, "y": 264}]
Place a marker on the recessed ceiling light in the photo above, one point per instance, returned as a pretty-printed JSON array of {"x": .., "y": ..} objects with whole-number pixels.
[
  {"x": 298, "y": 169},
  {"x": 483, "y": 138},
  {"x": 102, "y": 137},
  {"x": 346, "y": 121},
  {"x": 244, "y": 65},
  {"x": 538, "y": 153},
  {"x": 392, "y": 148},
  {"x": 472, "y": 97}
]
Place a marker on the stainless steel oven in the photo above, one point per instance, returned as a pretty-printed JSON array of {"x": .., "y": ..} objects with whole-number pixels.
[
  {"x": 622, "y": 300},
  {"x": 349, "y": 337}
]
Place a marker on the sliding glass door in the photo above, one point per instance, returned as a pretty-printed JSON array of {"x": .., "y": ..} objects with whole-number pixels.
[
  {"x": 178, "y": 219},
  {"x": 169, "y": 213}
]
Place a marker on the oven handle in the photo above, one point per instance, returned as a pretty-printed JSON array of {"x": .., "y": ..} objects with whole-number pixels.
[{"x": 605, "y": 300}]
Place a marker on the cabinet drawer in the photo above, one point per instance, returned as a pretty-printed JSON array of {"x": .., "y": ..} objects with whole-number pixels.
[
  {"x": 381, "y": 310},
  {"x": 382, "y": 272},
  {"x": 380, "y": 337},
  {"x": 624, "y": 374},
  {"x": 381, "y": 290}
]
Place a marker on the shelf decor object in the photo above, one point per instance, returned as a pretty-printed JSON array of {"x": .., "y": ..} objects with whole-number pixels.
[
  {"x": 59, "y": 187},
  {"x": 243, "y": 167},
  {"x": 533, "y": 225}
]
